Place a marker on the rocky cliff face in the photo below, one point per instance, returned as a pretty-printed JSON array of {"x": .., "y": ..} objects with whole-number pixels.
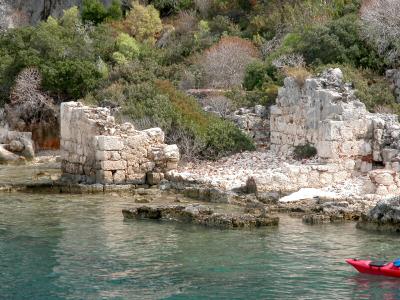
[{"x": 14, "y": 13}]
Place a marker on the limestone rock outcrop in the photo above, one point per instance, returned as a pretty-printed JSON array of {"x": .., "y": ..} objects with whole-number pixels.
[
  {"x": 201, "y": 215},
  {"x": 95, "y": 149},
  {"x": 385, "y": 216},
  {"x": 15, "y": 146},
  {"x": 15, "y": 13}
]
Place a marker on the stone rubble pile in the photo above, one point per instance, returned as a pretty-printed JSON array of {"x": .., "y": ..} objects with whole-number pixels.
[
  {"x": 15, "y": 146},
  {"x": 94, "y": 149}
]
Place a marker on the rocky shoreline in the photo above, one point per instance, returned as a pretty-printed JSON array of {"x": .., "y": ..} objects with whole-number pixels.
[{"x": 200, "y": 215}]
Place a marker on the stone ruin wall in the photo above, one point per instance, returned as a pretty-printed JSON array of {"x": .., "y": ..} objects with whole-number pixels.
[
  {"x": 94, "y": 149},
  {"x": 325, "y": 113}
]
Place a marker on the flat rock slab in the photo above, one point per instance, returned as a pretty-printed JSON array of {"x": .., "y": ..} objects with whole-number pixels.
[
  {"x": 308, "y": 194},
  {"x": 201, "y": 215}
]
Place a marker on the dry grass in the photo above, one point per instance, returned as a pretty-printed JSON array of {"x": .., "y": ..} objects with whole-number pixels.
[{"x": 300, "y": 74}]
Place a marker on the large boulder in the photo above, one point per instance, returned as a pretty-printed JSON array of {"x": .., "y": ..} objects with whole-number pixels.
[{"x": 385, "y": 216}]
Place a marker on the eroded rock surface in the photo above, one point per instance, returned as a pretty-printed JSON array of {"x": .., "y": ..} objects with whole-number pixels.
[
  {"x": 15, "y": 13},
  {"x": 201, "y": 215},
  {"x": 385, "y": 216}
]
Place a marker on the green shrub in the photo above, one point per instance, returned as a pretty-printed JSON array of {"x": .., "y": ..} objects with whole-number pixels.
[
  {"x": 127, "y": 47},
  {"x": 93, "y": 11},
  {"x": 70, "y": 77},
  {"x": 337, "y": 42},
  {"x": 304, "y": 151},
  {"x": 168, "y": 7},
  {"x": 70, "y": 55},
  {"x": 114, "y": 11},
  {"x": 143, "y": 22},
  {"x": 223, "y": 138}
]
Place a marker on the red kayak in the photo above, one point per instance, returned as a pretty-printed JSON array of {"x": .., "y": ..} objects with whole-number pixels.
[{"x": 375, "y": 267}]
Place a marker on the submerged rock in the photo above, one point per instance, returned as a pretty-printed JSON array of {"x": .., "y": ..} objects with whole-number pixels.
[
  {"x": 385, "y": 216},
  {"x": 201, "y": 215}
]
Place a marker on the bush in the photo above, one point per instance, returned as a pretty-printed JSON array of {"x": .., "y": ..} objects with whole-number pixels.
[
  {"x": 127, "y": 47},
  {"x": 95, "y": 12},
  {"x": 168, "y": 7},
  {"x": 337, "y": 42},
  {"x": 143, "y": 23},
  {"x": 304, "y": 151},
  {"x": 70, "y": 77},
  {"x": 70, "y": 55},
  {"x": 224, "y": 137},
  {"x": 225, "y": 63},
  {"x": 382, "y": 28}
]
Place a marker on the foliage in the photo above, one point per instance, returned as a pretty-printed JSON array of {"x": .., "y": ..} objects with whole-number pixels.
[
  {"x": 304, "y": 151},
  {"x": 337, "y": 42},
  {"x": 225, "y": 63},
  {"x": 167, "y": 7},
  {"x": 93, "y": 11},
  {"x": 381, "y": 19},
  {"x": 65, "y": 51},
  {"x": 127, "y": 48},
  {"x": 143, "y": 23}
]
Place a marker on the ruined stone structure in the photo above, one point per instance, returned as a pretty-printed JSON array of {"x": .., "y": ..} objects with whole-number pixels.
[
  {"x": 325, "y": 113},
  {"x": 394, "y": 76},
  {"x": 94, "y": 149},
  {"x": 254, "y": 122}
]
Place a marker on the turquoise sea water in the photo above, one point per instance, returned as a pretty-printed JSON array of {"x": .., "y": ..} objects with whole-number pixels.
[{"x": 79, "y": 247}]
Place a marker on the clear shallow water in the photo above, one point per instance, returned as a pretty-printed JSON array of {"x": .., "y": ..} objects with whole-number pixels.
[{"x": 79, "y": 247}]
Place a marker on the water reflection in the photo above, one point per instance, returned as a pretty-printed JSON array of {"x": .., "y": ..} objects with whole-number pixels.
[{"x": 79, "y": 247}]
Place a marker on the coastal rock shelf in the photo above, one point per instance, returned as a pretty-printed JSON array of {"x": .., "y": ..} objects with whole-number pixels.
[
  {"x": 385, "y": 216},
  {"x": 201, "y": 215}
]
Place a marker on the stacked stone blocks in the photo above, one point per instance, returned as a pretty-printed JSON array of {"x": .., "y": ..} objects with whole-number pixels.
[{"x": 97, "y": 150}]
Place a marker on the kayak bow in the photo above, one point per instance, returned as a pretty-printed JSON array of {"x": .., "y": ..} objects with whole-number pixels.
[{"x": 375, "y": 267}]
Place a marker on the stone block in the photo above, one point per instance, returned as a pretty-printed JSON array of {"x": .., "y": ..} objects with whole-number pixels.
[
  {"x": 171, "y": 153},
  {"x": 107, "y": 143},
  {"x": 119, "y": 177},
  {"x": 111, "y": 165},
  {"x": 328, "y": 149},
  {"x": 388, "y": 154},
  {"x": 103, "y": 155},
  {"x": 104, "y": 177},
  {"x": 154, "y": 178}
]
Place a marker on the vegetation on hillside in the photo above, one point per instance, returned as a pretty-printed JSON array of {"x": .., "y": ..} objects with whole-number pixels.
[{"x": 140, "y": 55}]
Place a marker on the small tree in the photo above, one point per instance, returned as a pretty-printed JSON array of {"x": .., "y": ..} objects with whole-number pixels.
[
  {"x": 225, "y": 63},
  {"x": 93, "y": 11},
  {"x": 143, "y": 22},
  {"x": 115, "y": 10}
]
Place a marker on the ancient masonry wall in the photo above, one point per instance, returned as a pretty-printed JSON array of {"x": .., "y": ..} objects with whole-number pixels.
[
  {"x": 94, "y": 149},
  {"x": 325, "y": 113}
]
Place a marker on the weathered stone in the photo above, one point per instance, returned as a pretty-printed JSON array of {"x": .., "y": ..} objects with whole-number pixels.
[
  {"x": 111, "y": 165},
  {"x": 107, "y": 143},
  {"x": 91, "y": 140},
  {"x": 16, "y": 146},
  {"x": 201, "y": 215}
]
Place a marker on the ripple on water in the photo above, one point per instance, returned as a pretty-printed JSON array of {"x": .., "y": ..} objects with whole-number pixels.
[{"x": 79, "y": 247}]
